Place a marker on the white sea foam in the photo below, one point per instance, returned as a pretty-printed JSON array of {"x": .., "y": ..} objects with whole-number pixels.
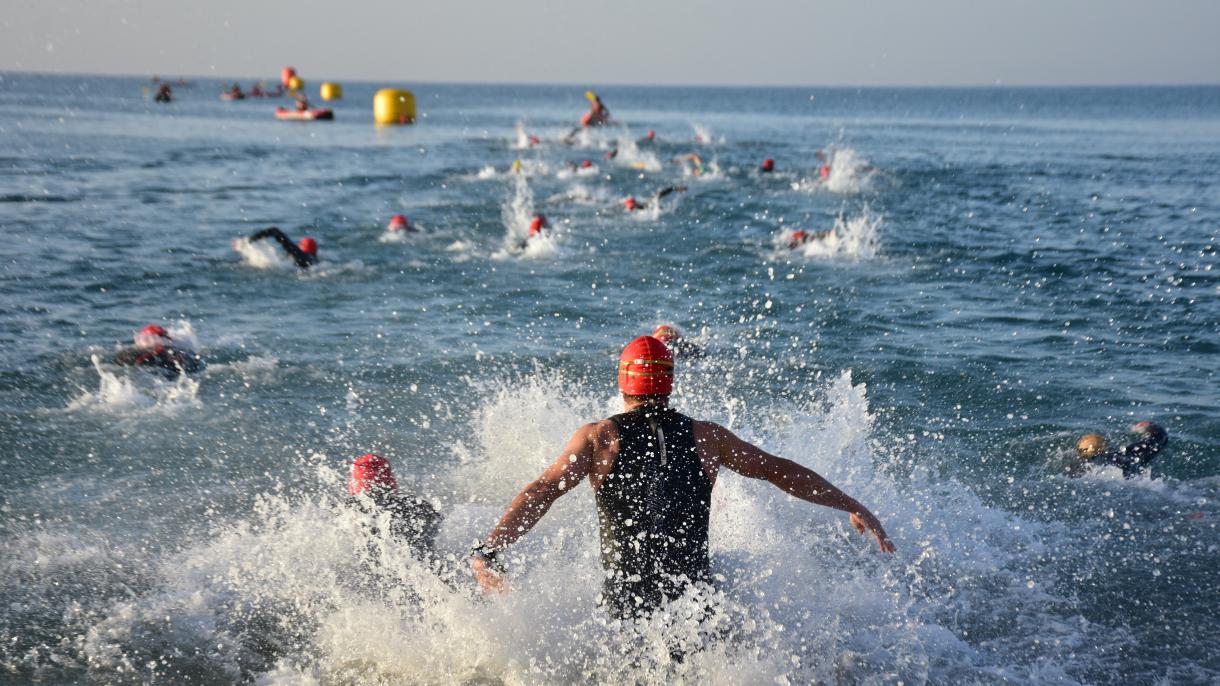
[
  {"x": 134, "y": 392},
  {"x": 298, "y": 591},
  {"x": 856, "y": 237},
  {"x": 265, "y": 254}
]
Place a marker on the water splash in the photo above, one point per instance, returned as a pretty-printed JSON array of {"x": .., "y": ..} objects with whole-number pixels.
[
  {"x": 262, "y": 254},
  {"x": 136, "y": 393},
  {"x": 856, "y": 238}
]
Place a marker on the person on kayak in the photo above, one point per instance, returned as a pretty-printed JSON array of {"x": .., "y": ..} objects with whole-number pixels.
[
  {"x": 372, "y": 489},
  {"x": 154, "y": 350},
  {"x": 598, "y": 114},
  {"x": 632, "y": 205},
  {"x": 164, "y": 93},
  {"x": 302, "y": 103},
  {"x": 1133, "y": 458},
  {"x": 652, "y": 470},
  {"x": 305, "y": 253}
]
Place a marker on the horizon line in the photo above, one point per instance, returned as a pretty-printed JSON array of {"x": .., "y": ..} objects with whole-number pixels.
[{"x": 624, "y": 84}]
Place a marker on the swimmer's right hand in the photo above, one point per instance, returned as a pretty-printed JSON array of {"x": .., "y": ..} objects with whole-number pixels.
[{"x": 490, "y": 581}]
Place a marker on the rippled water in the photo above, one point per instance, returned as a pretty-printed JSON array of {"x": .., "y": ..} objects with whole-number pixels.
[{"x": 1008, "y": 268}]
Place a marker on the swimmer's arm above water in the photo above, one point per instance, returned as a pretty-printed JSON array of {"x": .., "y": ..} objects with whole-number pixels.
[
  {"x": 298, "y": 255},
  {"x": 751, "y": 461},
  {"x": 572, "y": 466}
]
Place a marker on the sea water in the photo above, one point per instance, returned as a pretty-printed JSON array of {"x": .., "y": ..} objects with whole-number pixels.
[{"x": 1005, "y": 269}]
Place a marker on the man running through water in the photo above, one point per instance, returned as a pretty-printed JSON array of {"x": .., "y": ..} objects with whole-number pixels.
[
  {"x": 631, "y": 204},
  {"x": 155, "y": 350},
  {"x": 305, "y": 253},
  {"x": 652, "y": 470}
]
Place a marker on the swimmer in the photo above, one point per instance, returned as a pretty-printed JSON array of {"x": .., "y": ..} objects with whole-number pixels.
[
  {"x": 696, "y": 168},
  {"x": 256, "y": 90},
  {"x": 801, "y": 237},
  {"x": 768, "y": 166},
  {"x": 156, "y": 351},
  {"x": 305, "y": 253},
  {"x": 1133, "y": 458},
  {"x": 632, "y": 205},
  {"x": 539, "y": 224},
  {"x": 515, "y": 168},
  {"x": 824, "y": 169},
  {"x": 652, "y": 470},
  {"x": 399, "y": 224},
  {"x": 235, "y": 92},
  {"x": 678, "y": 344},
  {"x": 164, "y": 93},
  {"x": 648, "y": 139},
  {"x": 414, "y": 522}
]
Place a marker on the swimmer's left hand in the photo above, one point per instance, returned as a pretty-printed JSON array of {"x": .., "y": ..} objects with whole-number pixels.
[{"x": 873, "y": 525}]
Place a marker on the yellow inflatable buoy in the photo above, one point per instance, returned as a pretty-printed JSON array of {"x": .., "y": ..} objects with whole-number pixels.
[
  {"x": 295, "y": 83},
  {"x": 331, "y": 91},
  {"x": 393, "y": 106}
]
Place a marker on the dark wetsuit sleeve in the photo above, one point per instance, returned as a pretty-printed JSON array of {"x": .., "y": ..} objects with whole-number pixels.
[
  {"x": 128, "y": 356},
  {"x": 417, "y": 522},
  {"x": 303, "y": 259},
  {"x": 1139, "y": 455}
]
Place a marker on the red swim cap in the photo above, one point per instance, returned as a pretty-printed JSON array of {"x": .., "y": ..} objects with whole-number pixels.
[
  {"x": 371, "y": 471},
  {"x": 398, "y": 222},
  {"x": 629, "y": 203},
  {"x": 666, "y": 333},
  {"x": 534, "y": 140},
  {"x": 308, "y": 246},
  {"x": 799, "y": 235},
  {"x": 151, "y": 336},
  {"x": 155, "y": 330},
  {"x": 538, "y": 223},
  {"x": 824, "y": 171},
  {"x": 768, "y": 164},
  {"x": 651, "y": 134},
  {"x": 585, "y": 164},
  {"x": 646, "y": 367}
]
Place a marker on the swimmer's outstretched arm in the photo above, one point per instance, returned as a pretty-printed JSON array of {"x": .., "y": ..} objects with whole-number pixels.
[
  {"x": 571, "y": 467},
  {"x": 751, "y": 461},
  {"x": 669, "y": 189},
  {"x": 303, "y": 260}
]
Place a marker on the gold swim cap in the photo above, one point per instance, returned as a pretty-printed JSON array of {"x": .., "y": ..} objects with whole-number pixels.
[{"x": 1090, "y": 445}]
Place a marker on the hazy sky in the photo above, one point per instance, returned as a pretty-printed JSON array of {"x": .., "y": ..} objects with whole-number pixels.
[{"x": 809, "y": 42}]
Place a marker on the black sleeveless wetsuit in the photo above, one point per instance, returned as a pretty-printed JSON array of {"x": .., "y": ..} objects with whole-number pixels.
[{"x": 653, "y": 510}]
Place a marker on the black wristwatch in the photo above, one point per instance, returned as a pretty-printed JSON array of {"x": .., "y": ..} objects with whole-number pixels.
[{"x": 488, "y": 556}]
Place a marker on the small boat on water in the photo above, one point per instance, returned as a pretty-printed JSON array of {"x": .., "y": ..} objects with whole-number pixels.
[{"x": 319, "y": 114}]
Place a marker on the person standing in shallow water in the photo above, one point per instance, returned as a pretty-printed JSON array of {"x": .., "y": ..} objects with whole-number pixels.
[{"x": 652, "y": 470}]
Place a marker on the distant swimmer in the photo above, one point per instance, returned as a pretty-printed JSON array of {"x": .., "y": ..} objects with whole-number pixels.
[
  {"x": 164, "y": 93},
  {"x": 632, "y": 205},
  {"x": 373, "y": 489},
  {"x": 768, "y": 166},
  {"x": 696, "y": 166},
  {"x": 802, "y": 237},
  {"x": 235, "y": 93},
  {"x": 399, "y": 224},
  {"x": 648, "y": 139},
  {"x": 1133, "y": 458},
  {"x": 824, "y": 169},
  {"x": 539, "y": 225},
  {"x": 515, "y": 168},
  {"x": 652, "y": 470},
  {"x": 678, "y": 344},
  {"x": 156, "y": 351},
  {"x": 305, "y": 253}
]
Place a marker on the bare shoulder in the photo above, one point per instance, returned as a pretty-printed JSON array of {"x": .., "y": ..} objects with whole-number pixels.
[{"x": 709, "y": 431}]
